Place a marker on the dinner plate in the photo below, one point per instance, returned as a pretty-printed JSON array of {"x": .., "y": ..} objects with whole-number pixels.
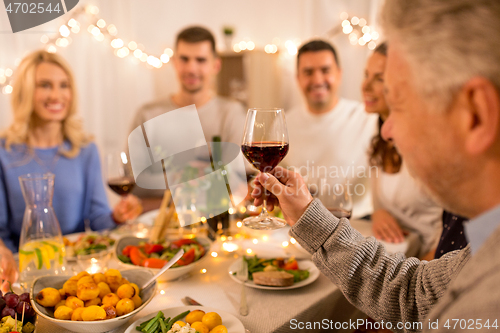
[
  {"x": 303, "y": 264},
  {"x": 233, "y": 324},
  {"x": 148, "y": 218},
  {"x": 74, "y": 237}
]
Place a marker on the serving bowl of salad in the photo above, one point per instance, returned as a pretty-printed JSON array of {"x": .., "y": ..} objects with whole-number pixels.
[{"x": 134, "y": 252}]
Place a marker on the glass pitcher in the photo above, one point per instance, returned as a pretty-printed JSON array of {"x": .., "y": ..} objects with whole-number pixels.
[{"x": 41, "y": 247}]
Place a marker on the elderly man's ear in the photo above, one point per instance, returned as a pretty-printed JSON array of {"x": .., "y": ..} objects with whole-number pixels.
[{"x": 479, "y": 105}]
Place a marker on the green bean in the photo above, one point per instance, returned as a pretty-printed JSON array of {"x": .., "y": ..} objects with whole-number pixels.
[
  {"x": 182, "y": 315},
  {"x": 154, "y": 327},
  {"x": 163, "y": 326},
  {"x": 152, "y": 322}
]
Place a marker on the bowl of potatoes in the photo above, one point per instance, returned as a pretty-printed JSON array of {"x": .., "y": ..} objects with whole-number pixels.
[{"x": 99, "y": 302}]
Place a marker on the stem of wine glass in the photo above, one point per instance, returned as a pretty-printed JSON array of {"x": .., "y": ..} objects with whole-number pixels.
[{"x": 264, "y": 213}]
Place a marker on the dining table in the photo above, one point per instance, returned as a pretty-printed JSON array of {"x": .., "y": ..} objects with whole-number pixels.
[{"x": 268, "y": 310}]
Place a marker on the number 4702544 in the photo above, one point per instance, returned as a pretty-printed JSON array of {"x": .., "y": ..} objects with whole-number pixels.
[
  {"x": 470, "y": 324},
  {"x": 31, "y": 8}
]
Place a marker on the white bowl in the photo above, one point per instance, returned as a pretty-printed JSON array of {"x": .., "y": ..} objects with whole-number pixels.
[
  {"x": 171, "y": 273},
  {"x": 136, "y": 276}
]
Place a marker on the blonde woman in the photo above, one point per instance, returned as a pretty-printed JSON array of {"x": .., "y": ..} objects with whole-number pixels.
[{"x": 46, "y": 135}]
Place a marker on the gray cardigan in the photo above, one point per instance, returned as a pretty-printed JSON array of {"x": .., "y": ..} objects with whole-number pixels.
[{"x": 399, "y": 289}]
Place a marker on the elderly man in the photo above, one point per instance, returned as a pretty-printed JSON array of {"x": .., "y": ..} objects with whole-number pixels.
[
  {"x": 443, "y": 86},
  {"x": 329, "y": 136}
]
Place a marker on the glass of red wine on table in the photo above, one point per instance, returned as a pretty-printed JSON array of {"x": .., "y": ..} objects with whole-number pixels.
[
  {"x": 119, "y": 175},
  {"x": 265, "y": 144}
]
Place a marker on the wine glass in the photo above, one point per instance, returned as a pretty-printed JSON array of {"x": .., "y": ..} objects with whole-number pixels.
[
  {"x": 336, "y": 197},
  {"x": 265, "y": 144},
  {"x": 119, "y": 175}
]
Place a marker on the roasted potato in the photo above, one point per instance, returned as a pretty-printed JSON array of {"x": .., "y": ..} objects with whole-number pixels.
[
  {"x": 137, "y": 301},
  {"x": 70, "y": 287},
  {"x": 87, "y": 291},
  {"x": 125, "y": 291},
  {"x": 110, "y": 311},
  {"x": 93, "y": 312},
  {"x": 124, "y": 306},
  {"x": 77, "y": 314},
  {"x": 113, "y": 276},
  {"x": 74, "y": 302},
  {"x": 103, "y": 289},
  {"x": 110, "y": 299},
  {"x": 48, "y": 297},
  {"x": 99, "y": 277},
  {"x": 94, "y": 301},
  {"x": 85, "y": 279},
  {"x": 79, "y": 276},
  {"x": 63, "y": 312}
]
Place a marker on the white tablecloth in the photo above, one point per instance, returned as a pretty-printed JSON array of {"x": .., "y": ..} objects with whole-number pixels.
[{"x": 269, "y": 310}]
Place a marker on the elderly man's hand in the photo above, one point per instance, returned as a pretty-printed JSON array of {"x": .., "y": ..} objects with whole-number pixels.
[{"x": 286, "y": 188}]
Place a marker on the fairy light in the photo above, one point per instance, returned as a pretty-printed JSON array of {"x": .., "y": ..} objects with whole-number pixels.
[
  {"x": 162, "y": 292},
  {"x": 8, "y": 72},
  {"x": 64, "y": 30},
  {"x": 99, "y": 37},
  {"x": 116, "y": 43},
  {"x": 265, "y": 238},
  {"x": 361, "y": 41},
  {"x": 285, "y": 244},
  {"x": 367, "y": 37},
  {"x": 132, "y": 45},
  {"x": 255, "y": 241},
  {"x": 366, "y": 29},
  {"x": 3, "y": 79},
  {"x": 90, "y": 28},
  {"x": 239, "y": 224},
  {"x": 7, "y": 89},
  {"x": 293, "y": 241},
  {"x": 249, "y": 251},
  {"x": 101, "y": 23},
  {"x": 75, "y": 29},
  {"x": 375, "y": 35},
  {"x": 230, "y": 247},
  {"x": 345, "y": 23},
  {"x": 372, "y": 45},
  {"x": 144, "y": 57},
  {"x": 52, "y": 49},
  {"x": 137, "y": 53},
  {"x": 231, "y": 210},
  {"x": 203, "y": 271},
  {"x": 362, "y": 22},
  {"x": 44, "y": 39},
  {"x": 250, "y": 45},
  {"x": 242, "y": 45},
  {"x": 203, "y": 218},
  {"x": 95, "y": 31},
  {"x": 112, "y": 30},
  {"x": 236, "y": 48},
  {"x": 72, "y": 23},
  {"x": 168, "y": 51},
  {"x": 354, "y": 20},
  {"x": 347, "y": 29},
  {"x": 214, "y": 254}
]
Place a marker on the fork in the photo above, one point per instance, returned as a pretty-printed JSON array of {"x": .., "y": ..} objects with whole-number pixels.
[{"x": 242, "y": 275}]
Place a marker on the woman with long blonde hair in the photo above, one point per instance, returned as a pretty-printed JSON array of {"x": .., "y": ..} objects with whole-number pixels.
[{"x": 45, "y": 136}]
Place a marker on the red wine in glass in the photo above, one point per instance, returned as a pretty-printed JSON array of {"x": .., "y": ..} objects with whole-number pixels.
[
  {"x": 340, "y": 213},
  {"x": 265, "y": 144},
  {"x": 265, "y": 156},
  {"x": 121, "y": 185}
]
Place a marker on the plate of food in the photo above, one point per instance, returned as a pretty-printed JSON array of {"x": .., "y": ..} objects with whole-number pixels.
[
  {"x": 86, "y": 243},
  {"x": 276, "y": 273},
  {"x": 133, "y": 252},
  {"x": 188, "y": 319}
]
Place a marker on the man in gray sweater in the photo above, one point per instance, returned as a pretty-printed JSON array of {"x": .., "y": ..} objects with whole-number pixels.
[{"x": 443, "y": 88}]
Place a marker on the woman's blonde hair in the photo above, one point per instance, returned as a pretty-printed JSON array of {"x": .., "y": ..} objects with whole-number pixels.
[{"x": 22, "y": 105}]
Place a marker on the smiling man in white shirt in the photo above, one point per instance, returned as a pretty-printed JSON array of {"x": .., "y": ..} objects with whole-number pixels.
[{"x": 314, "y": 129}]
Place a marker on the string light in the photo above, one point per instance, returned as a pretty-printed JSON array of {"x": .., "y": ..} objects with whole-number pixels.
[
  {"x": 293, "y": 241},
  {"x": 8, "y": 72},
  {"x": 162, "y": 292},
  {"x": 214, "y": 254},
  {"x": 255, "y": 241},
  {"x": 249, "y": 251},
  {"x": 349, "y": 26},
  {"x": 203, "y": 271},
  {"x": 284, "y": 244},
  {"x": 239, "y": 224}
]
